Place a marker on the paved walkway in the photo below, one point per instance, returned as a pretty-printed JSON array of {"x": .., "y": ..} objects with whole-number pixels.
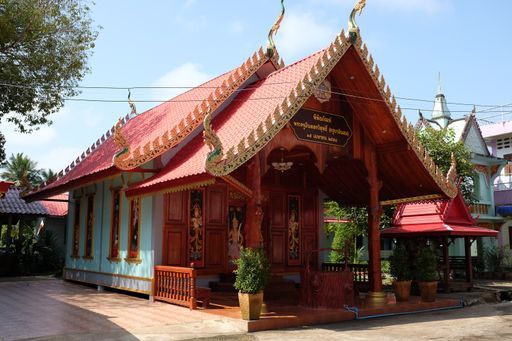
[{"x": 54, "y": 309}]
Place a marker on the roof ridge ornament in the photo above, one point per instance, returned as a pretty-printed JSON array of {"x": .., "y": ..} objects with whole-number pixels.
[
  {"x": 120, "y": 140},
  {"x": 271, "y": 46},
  {"x": 451, "y": 176},
  {"x": 133, "y": 108},
  {"x": 353, "y": 29},
  {"x": 212, "y": 140}
]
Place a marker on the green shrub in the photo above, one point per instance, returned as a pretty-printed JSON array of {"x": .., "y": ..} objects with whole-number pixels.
[
  {"x": 400, "y": 267},
  {"x": 253, "y": 271},
  {"x": 426, "y": 265},
  {"x": 497, "y": 259},
  {"x": 385, "y": 267}
]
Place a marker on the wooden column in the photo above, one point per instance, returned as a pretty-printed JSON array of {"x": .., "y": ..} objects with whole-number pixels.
[
  {"x": 254, "y": 212},
  {"x": 469, "y": 265},
  {"x": 446, "y": 265},
  {"x": 376, "y": 296}
]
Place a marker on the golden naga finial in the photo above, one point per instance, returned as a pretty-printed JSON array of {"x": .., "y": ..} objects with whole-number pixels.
[
  {"x": 271, "y": 46},
  {"x": 120, "y": 140},
  {"x": 353, "y": 29},
  {"x": 451, "y": 176},
  {"x": 133, "y": 112},
  {"x": 212, "y": 141}
]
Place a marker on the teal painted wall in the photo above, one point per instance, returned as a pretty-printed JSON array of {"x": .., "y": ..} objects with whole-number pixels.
[{"x": 101, "y": 242}]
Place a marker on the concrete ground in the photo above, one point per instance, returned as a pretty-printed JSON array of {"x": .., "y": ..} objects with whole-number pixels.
[{"x": 56, "y": 310}]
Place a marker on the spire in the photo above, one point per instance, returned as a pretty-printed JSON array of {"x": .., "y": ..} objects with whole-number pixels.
[{"x": 440, "y": 112}]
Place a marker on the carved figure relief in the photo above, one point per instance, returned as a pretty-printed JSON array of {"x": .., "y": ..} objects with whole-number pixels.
[
  {"x": 294, "y": 230},
  {"x": 134, "y": 242},
  {"x": 196, "y": 228},
  {"x": 235, "y": 232}
]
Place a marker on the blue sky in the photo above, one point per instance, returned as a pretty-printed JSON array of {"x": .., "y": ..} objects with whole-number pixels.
[{"x": 186, "y": 42}]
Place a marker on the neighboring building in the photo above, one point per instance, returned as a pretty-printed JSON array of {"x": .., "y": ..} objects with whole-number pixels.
[
  {"x": 487, "y": 166},
  {"x": 49, "y": 214},
  {"x": 498, "y": 137}
]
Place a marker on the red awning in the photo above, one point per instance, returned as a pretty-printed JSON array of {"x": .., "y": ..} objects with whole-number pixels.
[{"x": 437, "y": 230}]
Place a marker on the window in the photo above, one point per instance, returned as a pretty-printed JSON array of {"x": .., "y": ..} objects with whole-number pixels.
[
  {"x": 76, "y": 229},
  {"x": 114, "y": 225},
  {"x": 89, "y": 227},
  {"x": 134, "y": 232},
  {"x": 503, "y": 143}
]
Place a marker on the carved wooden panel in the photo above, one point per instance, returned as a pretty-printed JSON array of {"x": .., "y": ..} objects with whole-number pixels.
[
  {"x": 215, "y": 248},
  {"x": 294, "y": 222},
  {"x": 196, "y": 228},
  {"x": 277, "y": 209},
  {"x": 278, "y": 242},
  {"x": 216, "y": 213},
  {"x": 174, "y": 250},
  {"x": 175, "y": 204}
]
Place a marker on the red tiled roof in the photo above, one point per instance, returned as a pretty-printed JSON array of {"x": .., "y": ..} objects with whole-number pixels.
[
  {"x": 56, "y": 206},
  {"x": 138, "y": 131},
  {"x": 243, "y": 115},
  {"x": 437, "y": 218}
]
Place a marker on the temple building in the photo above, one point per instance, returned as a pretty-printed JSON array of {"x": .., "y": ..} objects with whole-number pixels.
[
  {"x": 245, "y": 159},
  {"x": 487, "y": 166}
]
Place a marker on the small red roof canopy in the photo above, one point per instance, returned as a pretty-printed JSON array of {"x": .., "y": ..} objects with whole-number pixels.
[{"x": 449, "y": 218}]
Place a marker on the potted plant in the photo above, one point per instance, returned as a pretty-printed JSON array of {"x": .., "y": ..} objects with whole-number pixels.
[
  {"x": 426, "y": 274},
  {"x": 400, "y": 269},
  {"x": 252, "y": 274}
]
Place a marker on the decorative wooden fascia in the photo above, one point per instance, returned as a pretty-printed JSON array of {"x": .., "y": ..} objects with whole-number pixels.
[
  {"x": 267, "y": 130},
  {"x": 445, "y": 183},
  {"x": 136, "y": 156},
  {"x": 240, "y": 187},
  {"x": 419, "y": 199},
  {"x": 183, "y": 184},
  {"x": 257, "y": 139}
]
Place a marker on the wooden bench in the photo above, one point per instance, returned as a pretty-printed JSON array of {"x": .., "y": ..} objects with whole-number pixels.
[
  {"x": 204, "y": 295},
  {"x": 360, "y": 271}
]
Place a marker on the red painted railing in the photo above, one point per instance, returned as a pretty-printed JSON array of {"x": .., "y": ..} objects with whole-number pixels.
[{"x": 175, "y": 285}]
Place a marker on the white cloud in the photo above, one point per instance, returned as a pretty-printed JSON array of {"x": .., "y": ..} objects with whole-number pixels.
[
  {"x": 185, "y": 75},
  {"x": 425, "y": 6},
  {"x": 44, "y": 135},
  {"x": 301, "y": 34}
]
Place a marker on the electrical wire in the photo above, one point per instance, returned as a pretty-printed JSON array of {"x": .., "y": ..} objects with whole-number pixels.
[{"x": 249, "y": 88}]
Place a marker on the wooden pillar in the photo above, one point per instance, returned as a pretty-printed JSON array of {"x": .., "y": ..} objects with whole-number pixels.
[
  {"x": 446, "y": 265},
  {"x": 469, "y": 265},
  {"x": 254, "y": 212},
  {"x": 376, "y": 296}
]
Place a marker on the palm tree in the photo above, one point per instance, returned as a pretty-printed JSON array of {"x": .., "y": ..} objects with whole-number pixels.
[
  {"x": 21, "y": 170},
  {"x": 47, "y": 175}
]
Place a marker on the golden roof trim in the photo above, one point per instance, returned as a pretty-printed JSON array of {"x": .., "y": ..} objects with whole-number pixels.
[
  {"x": 247, "y": 147},
  {"x": 418, "y": 199},
  {"x": 138, "y": 156},
  {"x": 250, "y": 145}
]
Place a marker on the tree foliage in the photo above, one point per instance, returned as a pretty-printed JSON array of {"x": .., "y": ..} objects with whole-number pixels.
[
  {"x": 21, "y": 170},
  {"x": 44, "y": 48},
  {"x": 440, "y": 144},
  {"x": 353, "y": 223}
]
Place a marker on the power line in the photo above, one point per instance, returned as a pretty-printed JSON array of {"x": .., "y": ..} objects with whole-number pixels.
[{"x": 249, "y": 88}]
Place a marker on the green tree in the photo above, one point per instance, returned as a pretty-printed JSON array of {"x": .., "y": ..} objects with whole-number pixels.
[
  {"x": 440, "y": 144},
  {"x": 47, "y": 175},
  {"x": 21, "y": 170},
  {"x": 44, "y": 48},
  {"x": 355, "y": 223}
]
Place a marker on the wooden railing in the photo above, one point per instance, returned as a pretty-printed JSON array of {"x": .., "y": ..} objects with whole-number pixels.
[
  {"x": 175, "y": 285},
  {"x": 360, "y": 271},
  {"x": 479, "y": 208}
]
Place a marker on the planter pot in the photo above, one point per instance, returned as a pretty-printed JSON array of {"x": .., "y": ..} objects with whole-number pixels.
[
  {"x": 402, "y": 290},
  {"x": 250, "y": 305},
  {"x": 428, "y": 291}
]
